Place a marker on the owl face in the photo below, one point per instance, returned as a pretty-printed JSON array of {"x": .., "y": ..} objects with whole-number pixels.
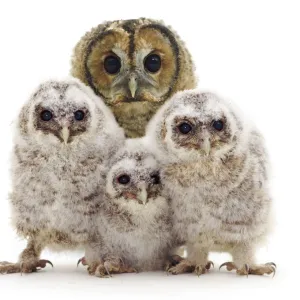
[
  {"x": 60, "y": 113},
  {"x": 197, "y": 125},
  {"x": 134, "y": 179},
  {"x": 131, "y": 61}
]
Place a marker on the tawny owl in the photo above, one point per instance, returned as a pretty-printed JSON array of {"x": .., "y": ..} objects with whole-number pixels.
[
  {"x": 133, "y": 228},
  {"x": 216, "y": 174},
  {"x": 135, "y": 66},
  {"x": 64, "y": 136}
]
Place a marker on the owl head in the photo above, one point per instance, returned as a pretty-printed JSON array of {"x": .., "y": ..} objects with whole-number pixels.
[
  {"x": 193, "y": 126},
  {"x": 130, "y": 61},
  {"x": 64, "y": 113},
  {"x": 133, "y": 180}
]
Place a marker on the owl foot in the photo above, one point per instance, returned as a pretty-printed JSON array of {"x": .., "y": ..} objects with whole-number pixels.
[
  {"x": 23, "y": 267},
  {"x": 110, "y": 266},
  {"x": 172, "y": 261},
  {"x": 202, "y": 269},
  {"x": 267, "y": 268},
  {"x": 185, "y": 266}
]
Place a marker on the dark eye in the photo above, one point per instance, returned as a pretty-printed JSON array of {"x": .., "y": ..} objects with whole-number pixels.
[
  {"x": 155, "y": 179},
  {"x": 46, "y": 115},
  {"x": 152, "y": 63},
  {"x": 184, "y": 128},
  {"x": 112, "y": 64},
  {"x": 79, "y": 115},
  {"x": 124, "y": 179},
  {"x": 218, "y": 125}
]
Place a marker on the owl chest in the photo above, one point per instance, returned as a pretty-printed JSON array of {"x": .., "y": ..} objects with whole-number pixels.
[
  {"x": 220, "y": 218},
  {"x": 57, "y": 194},
  {"x": 139, "y": 243}
]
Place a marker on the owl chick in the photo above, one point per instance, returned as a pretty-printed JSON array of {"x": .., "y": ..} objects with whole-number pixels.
[
  {"x": 133, "y": 228},
  {"x": 64, "y": 136},
  {"x": 135, "y": 66},
  {"x": 215, "y": 173}
]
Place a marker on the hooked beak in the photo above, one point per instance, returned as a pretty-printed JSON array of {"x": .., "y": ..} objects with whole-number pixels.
[
  {"x": 142, "y": 195},
  {"x": 205, "y": 145},
  {"x": 65, "y": 134},
  {"x": 132, "y": 85}
]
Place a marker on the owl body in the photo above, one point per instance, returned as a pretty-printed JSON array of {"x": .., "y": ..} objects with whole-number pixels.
[
  {"x": 134, "y": 222},
  {"x": 215, "y": 170},
  {"x": 225, "y": 204},
  {"x": 57, "y": 177},
  {"x": 135, "y": 65}
]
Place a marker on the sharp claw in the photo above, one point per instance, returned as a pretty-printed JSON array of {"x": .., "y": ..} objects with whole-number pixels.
[
  {"x": 274, "y": 272},
  {"x": 209, "y": 264},
  {"x": 222, "y": 265},
  {"x": 247, "y": 269},
  {"x": 45, "y": 262},
  {"x": 107, "y": 271},
  {"x": 79, "y": 262},
  {"x": 272, "y": 264}
]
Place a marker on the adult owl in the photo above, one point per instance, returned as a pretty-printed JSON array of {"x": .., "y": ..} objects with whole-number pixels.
[
  {"x": 64, "y": 137},
  {"x": 215, "y": 171},
  {"x": 135, "y": 66}
]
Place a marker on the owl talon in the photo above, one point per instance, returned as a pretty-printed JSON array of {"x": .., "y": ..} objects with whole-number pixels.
[
  {"x": 267, "y": 268},
  {"x": 82, "y": 261},
  {"x": 184, "y": 266},
  {"x": 23, "y": 267},
  {"x": 43, "y": 262},
  {"x": 209, "y": 264},
  {"x": 202, "y": 269}
]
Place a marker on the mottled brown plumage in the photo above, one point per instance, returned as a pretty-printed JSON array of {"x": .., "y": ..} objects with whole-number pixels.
[{"x": 133, "y": 93}]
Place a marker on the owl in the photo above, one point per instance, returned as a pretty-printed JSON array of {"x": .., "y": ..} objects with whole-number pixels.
[
  {"x": 215, "y": 171},
  {"x": 135, "y": 66},
  {"x": 64, "y": 136},
  {"x": 133, "y": 228}
]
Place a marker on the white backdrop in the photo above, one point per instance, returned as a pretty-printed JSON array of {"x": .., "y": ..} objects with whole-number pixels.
[{"x": 247, "y": 51}]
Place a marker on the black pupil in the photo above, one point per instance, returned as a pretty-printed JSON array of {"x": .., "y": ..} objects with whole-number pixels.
[
  {"x": 155, "y": 179},
  {"x": 152, "y": 63},
  {"x": 112, "y": 64},
  {"x": 46, "y": 115},
  {"x": 218, "y": 125},
  {"x": 185, "y": 128},
  {"x": 79, "y": 115},
  {"x": 123, "y": 179}
]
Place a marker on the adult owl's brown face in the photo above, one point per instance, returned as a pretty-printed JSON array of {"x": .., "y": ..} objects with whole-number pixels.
[{"x": 133, "y": 61}]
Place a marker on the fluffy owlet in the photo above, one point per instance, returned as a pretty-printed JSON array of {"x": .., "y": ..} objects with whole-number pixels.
[
  {"x": 135, "y": 66},
  {"x": 215, "y": 173},
  {"x": 64, "y": 136},
  {"x": 133, "y": 229}
]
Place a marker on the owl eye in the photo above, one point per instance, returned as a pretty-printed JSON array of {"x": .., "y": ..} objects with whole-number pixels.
[
  {"x": 152, "y": 63},
  {"x": 155, "y": 178},
  {"x": 184, "y": 128},
  {"x": 124, "y": 179},
  {"x": 112, "y": 64},
  {"x": 218, "y": 125},
  {"x": 46, "y": 115},
  {"x": 79, "y": 115}
]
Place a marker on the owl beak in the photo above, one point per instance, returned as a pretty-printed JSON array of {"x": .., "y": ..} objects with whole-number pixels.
[
  {"x": 206, "y": 146},
  {"x": 65, "y": 134},
  {"x": 132, "y": 85},
  {"x": 142, "y": 195}
]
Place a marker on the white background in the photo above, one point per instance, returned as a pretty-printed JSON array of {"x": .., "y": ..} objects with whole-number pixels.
[{"x": 247, "y": 51}]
